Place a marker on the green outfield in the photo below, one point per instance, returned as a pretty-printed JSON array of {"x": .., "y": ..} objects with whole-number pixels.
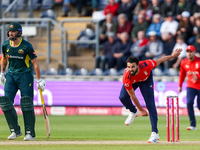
[{"x": 84, "y": 131}]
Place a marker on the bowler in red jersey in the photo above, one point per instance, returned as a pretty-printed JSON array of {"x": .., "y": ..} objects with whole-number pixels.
[
  {"x": 139, "y": 74},
  {"x": 190, "y": 67}
]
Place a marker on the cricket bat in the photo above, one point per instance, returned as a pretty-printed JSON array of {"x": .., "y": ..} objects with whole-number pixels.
[{"x": 46, "y": 118}]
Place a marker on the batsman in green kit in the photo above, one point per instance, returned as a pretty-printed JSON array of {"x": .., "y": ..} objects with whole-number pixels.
[{"x": 21, "y": 59}]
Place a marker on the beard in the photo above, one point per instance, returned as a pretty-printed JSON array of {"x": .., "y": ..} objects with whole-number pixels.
[
  {"x": 134, "y": 72},
  {"x": 13, "y": 38}
]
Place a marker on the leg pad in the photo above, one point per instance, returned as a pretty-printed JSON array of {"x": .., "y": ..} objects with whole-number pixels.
[
  {"x": 28, "y": 114},
  {"x": 10, "y": 114}
]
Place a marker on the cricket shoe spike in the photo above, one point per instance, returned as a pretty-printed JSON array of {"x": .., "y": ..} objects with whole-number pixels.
[
  {"x": 14, "y": 135},
  {"x": 28, "y": 137},
  {"x": 153, "y": 138},
  {"x": 131, "y": 118},
  {"x": 191, "y": 128}
]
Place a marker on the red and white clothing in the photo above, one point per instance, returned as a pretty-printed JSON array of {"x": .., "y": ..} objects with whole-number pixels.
[
  {"x": 111, "y": 9},
  {"x": 190, "y": 68},
  {"x": 145, "y": 68}
]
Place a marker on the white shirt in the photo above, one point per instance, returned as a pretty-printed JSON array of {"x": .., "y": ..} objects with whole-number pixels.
[
  {"x": 169, "y": 27},
  {"x": 183, "y": 46}
]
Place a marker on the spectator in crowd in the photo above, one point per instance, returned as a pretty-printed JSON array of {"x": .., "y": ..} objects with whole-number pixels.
[
  {"x": 142, "y": 5},
  {"x": 126, "y": 7},
  {"x": 154, "y": 7},
  {"x": 196, "y": 7},
  {"x": 196, "y": 31},
  {"x": 66, "y": 8},
  {"x": 139, "y": 47},
  {"x": 108, "y": 26},
  {"x": 182, "y": 5},
  {"x": 154, "y": 48},
  {"x": 111, "y": 8},
  {"x": 195, "y": 10},
  {"x": 107, "y": 56},
  {"x": 94, "y": 5},
  {"x": 155, "y": 25},
  {"x": 121, "y": 50},
  {"x": 166, "y": 7},
  {"x": 124, "y": 25},
  {"x": 168, "y": 26},
  {"x": 168, "y": 48},
  {"x": 185, "y": 28},
  {"x": 141, "y": 24},
  {"x": 197, "y": 45},
  {"x": 175, "y": 63},
  {"x": 79, "y": 4}
]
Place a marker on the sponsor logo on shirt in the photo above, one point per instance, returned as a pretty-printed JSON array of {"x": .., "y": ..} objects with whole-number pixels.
[
  {"x": 193, "y": 73},
  {"x": 17, "y": 57},
  {"x": 21, "y": 51},
  {"x": 126, "y": 84}
]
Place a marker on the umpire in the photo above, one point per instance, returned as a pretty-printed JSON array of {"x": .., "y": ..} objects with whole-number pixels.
[{"x": 22, "y": 59}]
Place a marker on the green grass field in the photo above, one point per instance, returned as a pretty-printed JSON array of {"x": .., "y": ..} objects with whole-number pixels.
[{"x": 100, "y": 128}]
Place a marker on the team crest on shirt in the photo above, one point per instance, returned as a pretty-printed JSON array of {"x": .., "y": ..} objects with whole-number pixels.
[
  {"x": 7, "y": 50},
  {"x": 21, "y": 51},
  {"x": 142, "y": 65}
]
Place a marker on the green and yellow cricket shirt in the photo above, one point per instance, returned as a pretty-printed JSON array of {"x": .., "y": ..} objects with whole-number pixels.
[{"x": 19, "y": 57}]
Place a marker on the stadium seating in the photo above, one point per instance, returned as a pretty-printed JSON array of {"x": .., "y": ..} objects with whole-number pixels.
[
  {"x": 52, "y": 71},
  {"x": 46, "y": 4},
  {"x": 42, "y": 72},
  {"x": 5, "y": 3},
  {"x": 121, "y": 72},
  {"x": 157, "y": 72},
  {"x": 96, "y": 72},
  {"x": 35, "y": 4},
  {"x": 111, "y": 72},
  {"x": 67, "y": 71},
  {"x": 20, "y": 4},
  {"x": 82, "y": 72}
]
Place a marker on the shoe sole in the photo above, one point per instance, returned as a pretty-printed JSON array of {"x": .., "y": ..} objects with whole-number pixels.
[
  {"x": 154, "y": 142},
  {"x": 29, "y": 140},
  {"x": 132, "y": 122}
]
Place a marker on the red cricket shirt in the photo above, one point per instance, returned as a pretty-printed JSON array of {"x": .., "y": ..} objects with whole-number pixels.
[
  {"x": 145, "y": 68},
  {"x": 190, "y": 69}
]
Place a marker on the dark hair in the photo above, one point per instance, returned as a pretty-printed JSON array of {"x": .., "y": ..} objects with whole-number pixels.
[{"x": 132, "y": 59}]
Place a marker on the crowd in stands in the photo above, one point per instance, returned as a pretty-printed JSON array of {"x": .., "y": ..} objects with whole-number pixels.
[{"x": 148, "y": 29}]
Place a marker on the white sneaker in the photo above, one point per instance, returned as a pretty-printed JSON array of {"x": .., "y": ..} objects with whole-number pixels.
[
  {"x": 28, "y": 137},
  {"x": 153, "y": 138},
  {"x": 14, "y": 135},
  {"x": 191, "y": 128},
  {"x": 131, "y": 118}
]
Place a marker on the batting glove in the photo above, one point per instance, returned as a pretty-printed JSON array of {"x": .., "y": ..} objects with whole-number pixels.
[
  {"x": 41, "y": 84},
  {"x": 2, "y": 79}
]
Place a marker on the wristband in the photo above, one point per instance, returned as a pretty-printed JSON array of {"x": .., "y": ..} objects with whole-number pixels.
[{"x": 38, "y": 80}]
